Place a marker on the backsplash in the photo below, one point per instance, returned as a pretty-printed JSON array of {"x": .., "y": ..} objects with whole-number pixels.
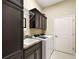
[{"x": 35, "y": 31}]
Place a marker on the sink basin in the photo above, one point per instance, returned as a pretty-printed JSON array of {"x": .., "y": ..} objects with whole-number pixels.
[{"x": 30, "y": 41}]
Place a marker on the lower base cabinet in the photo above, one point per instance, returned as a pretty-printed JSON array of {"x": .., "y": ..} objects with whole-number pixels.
[
  {"x": 34, "y": 52},
  {"x": 16, "y": 55},
  {"x": 38, "y": 53},
  {"x": 31, "y": 56}
]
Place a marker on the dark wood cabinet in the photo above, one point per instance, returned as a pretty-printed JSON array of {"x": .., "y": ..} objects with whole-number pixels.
[
  {"x": 31, "y": 56},
  {"x": 44, "y": 23},
  {"x": 18, "y": 3},
  {"x": 12, "y": 29},
  {"x": 34, "y": 52},
  {"x": 38, "y": 53},
  {"x": 38, "y": 20},
  {"x": 15, "y": 55}
]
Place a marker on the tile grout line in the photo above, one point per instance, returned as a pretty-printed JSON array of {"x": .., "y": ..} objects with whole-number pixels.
[{"x": 64, "y": 52}]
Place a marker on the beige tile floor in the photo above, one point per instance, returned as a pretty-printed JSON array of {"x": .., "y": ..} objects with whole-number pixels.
[{"x": 60, "y": 55}]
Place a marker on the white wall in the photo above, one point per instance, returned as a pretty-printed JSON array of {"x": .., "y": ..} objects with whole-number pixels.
[
  {"x": 26, "y": 15},
  {"x": 65, "y": 8},
  {"x": 30, "y": 4},
  {"x": 61, "y": 9}
]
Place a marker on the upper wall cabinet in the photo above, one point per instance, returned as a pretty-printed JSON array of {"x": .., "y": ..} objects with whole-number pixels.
[{"x": 38, "y": 20}]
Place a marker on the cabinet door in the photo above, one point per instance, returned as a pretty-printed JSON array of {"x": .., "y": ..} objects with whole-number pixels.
[
  {"x": 12, "y": 28},
  {"x": 17, "y": 2},
  {"x": 31, "y": 56},
  {"x": 38, "y": 54},
  {"x": 40, "y": 22},
  {"x": 37, "y": 21},
  {"x": 16, "y": 55},
  {"x": 45, "y": 23},
  {"x": 32, "y": 21},
  {"x": 35, "y": 55}
]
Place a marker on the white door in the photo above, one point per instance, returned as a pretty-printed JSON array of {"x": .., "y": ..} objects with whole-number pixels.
[{"x": 63, "y": 34}]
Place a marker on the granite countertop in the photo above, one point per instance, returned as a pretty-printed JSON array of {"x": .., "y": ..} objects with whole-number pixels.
[{"x": 28, "y": 42}]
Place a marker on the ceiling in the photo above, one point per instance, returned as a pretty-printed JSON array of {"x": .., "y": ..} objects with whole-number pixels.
[{"x": 46, "y": 3}]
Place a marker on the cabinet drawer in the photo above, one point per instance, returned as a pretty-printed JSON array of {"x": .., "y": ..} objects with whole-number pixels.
[{"x": 17, "y": 2}]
